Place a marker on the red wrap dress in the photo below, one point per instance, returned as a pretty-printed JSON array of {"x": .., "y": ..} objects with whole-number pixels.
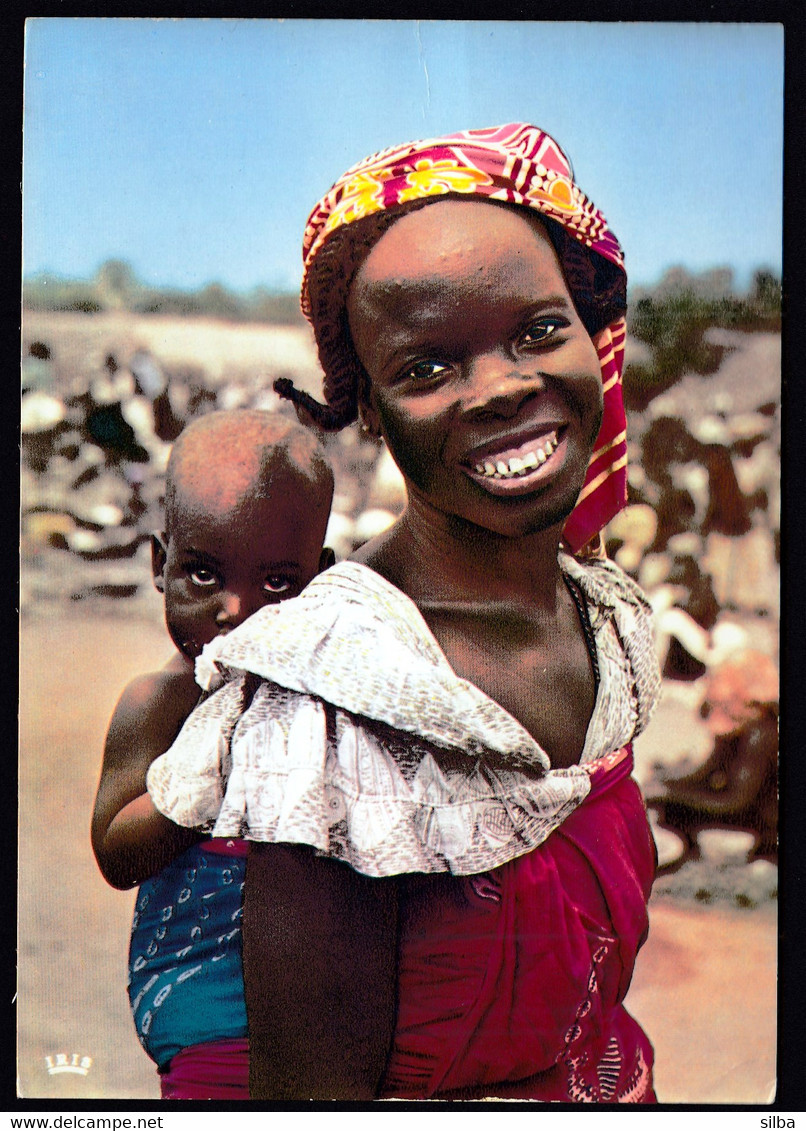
[{"x": 511, "y": 982}]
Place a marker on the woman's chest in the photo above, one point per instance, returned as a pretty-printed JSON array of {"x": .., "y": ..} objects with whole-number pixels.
[{"x": 546, "y": 685}]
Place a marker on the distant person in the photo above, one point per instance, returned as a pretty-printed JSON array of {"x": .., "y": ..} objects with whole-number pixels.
[
  {"x": 248, "y": 497},
  {"x": 737, "y": 785},
  {"x": 451, "y": 864},
  {"x": 151, "y": 383},
  {"x": 37, "y": 367},
  {"x": 105, "y": 422}
]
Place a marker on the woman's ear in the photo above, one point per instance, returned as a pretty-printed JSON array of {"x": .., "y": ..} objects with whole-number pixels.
[{"x": 159, "y": 555}]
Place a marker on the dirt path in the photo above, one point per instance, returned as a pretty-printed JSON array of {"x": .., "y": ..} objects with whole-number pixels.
[
  {"x": 704, "y": 988},
  {"x": 705, "y": 991},
  {"x": 73, "y": 929}
]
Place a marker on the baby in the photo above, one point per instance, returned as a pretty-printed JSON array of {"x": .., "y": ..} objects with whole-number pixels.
[{"x": 247, "y": 503}]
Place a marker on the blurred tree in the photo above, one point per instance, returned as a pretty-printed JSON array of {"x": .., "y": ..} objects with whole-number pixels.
[
  {"x": 766, "y": 293},
  {"x": 218, "y": 302},
  {"x": 116, "y": 284},
  {"x": 673, "y": 318}
]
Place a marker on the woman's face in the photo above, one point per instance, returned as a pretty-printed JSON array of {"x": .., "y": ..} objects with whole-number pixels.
[{"x": 484, "y": 382}]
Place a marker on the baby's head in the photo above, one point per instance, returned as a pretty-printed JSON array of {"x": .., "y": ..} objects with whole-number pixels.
[{"x": 247, "y": 503}]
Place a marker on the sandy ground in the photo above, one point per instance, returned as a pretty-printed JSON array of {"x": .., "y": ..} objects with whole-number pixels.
[{"x": 705, "y": 986}]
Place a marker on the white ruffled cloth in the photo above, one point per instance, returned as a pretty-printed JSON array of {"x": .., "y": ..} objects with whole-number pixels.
[{"x": 362, "y": 741}]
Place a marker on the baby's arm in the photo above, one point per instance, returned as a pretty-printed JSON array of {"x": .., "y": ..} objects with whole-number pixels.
[{"x": 132, "y": 840}]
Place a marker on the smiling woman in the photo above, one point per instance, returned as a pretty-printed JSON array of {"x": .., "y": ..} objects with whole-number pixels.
[
  {"x": 463, "y": 322},
  {"x": 447, "y": 885}
]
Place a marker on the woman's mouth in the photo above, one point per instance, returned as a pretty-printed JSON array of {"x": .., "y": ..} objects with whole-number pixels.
[{"x": 518, "y": 469}]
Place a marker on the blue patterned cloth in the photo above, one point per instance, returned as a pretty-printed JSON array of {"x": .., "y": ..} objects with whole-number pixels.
[{"x": 185, "y": 969}]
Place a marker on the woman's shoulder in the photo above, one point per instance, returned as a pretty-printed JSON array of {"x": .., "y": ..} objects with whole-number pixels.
[{"x": 623, "y": 613}]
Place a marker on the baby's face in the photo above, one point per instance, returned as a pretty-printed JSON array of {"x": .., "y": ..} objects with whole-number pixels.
[
  {"x": 484, "y": 382},
  {"x": 224, "y": 560}
]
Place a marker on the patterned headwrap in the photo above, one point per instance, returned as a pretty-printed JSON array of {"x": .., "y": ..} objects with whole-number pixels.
[{"x": 514, "y": 164}]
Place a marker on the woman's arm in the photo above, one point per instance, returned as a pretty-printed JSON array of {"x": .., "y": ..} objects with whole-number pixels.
[
  {"x": 130, "y": 838},
  {"x": 320, "y": 959}
]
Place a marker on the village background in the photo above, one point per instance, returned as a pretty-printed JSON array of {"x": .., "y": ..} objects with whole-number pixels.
[{"x": 114, "y": 364}]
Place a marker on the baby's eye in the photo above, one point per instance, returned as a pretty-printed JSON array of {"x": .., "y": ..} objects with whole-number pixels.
[
  {"x": 204, "y": 578},
  {"x": 276, "y": 583},
  {"x": 541, "y": 331},
  {"x": 424, "y": 371}
]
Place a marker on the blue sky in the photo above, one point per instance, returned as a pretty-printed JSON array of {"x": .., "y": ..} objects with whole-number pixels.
[{"x": 195, "y": 149}]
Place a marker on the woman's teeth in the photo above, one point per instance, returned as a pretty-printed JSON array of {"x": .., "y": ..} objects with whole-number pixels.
[{"x": 518, "y": 465}]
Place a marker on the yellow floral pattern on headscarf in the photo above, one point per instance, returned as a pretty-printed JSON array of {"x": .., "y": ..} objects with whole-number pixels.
[
  {"x": 557, "y": 192},
  {"x": 429, "y": 178},
  {"x": 362, "y": 195}
]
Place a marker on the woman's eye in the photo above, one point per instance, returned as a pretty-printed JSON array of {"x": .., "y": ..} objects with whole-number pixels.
[
  {"x": 542, "y": 331},
  {"x": 277, "y": 584},
  {"x": 424, "y": 371},
  {"x": 204, "y": 578}
]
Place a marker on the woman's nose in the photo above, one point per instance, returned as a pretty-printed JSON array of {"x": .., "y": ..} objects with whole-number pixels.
[{"x": 497, "y": 383}]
